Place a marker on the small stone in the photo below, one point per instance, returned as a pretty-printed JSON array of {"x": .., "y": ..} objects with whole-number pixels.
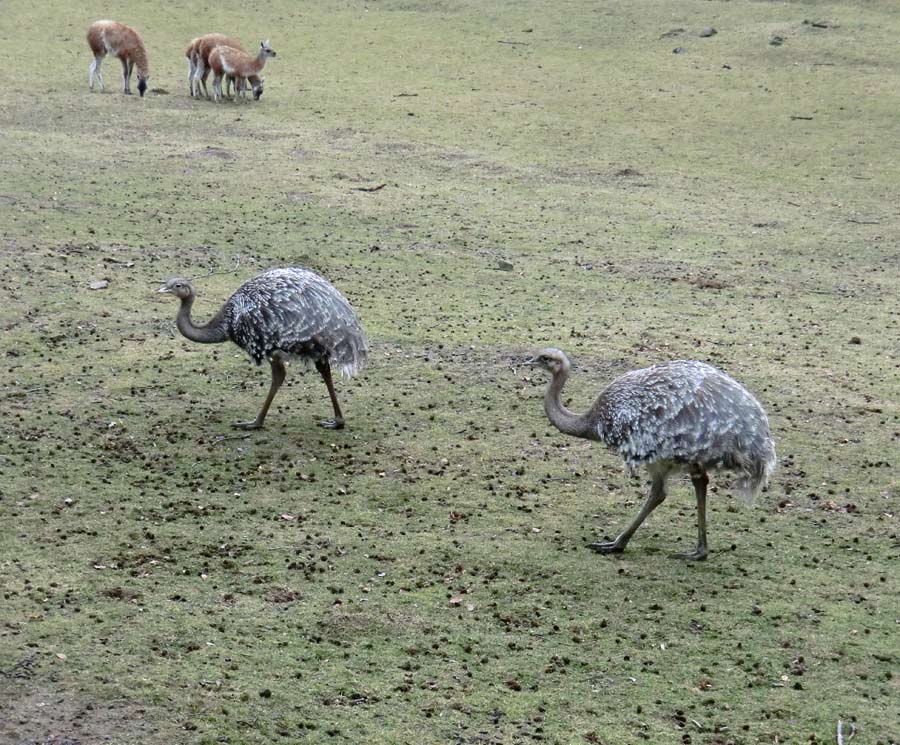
[
  {"x": 679, "y": 50},
  {"x": 776, "y": 41},
  {"x": 99, "y": 284},
  {"x": 505, "y": 266},
  {"x": 708, "y": 31},
  {"x": 855, "y": 340}
]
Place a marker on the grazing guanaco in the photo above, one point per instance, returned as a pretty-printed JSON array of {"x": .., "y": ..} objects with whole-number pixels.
[
  {"x": 216, "y": 63},
  {"x": 112, "y": 37},
  {"x": 239, "y": 64},
  {"x": 202, "y": 48},
  {"x": 190, "y": 53}
]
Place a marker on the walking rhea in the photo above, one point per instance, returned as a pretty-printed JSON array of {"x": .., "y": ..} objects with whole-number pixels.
[{"x": 677, "y": 416}]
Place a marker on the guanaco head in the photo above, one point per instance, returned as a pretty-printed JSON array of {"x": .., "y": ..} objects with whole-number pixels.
[
  {"x": 267, "y": 51},
  {"x": 142, "y": 84},
  {"x": 551, "y": 359},
  {"x": 258, "y": 89},
  {"x": 180, "y": 288}
]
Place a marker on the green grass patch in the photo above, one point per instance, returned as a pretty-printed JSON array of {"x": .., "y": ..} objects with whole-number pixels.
[{"x": 549, "y": 177}]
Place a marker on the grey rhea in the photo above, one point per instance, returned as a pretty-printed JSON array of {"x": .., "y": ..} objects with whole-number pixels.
[
  {"x": 283, "y": 315},
  {"x": 673, "y": 417}
]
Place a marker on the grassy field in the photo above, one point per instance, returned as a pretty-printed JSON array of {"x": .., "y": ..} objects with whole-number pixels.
[{"x": 550, "y": 174}]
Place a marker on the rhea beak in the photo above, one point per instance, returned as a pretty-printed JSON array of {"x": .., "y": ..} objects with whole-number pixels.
[
  {"x": 164, "y": 289},
  {"x": 530, "y": 361}
]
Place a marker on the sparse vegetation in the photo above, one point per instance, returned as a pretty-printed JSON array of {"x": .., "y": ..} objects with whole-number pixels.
[{"x": 479, "y": 180}]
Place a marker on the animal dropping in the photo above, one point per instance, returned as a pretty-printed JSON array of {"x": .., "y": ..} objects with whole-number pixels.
[
  {"x": 283, "y": 315},
  {"x": 681, "y": 416}
]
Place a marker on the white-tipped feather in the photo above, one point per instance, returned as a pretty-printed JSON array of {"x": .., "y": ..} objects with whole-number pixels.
[{"x": 297, "y": 314}]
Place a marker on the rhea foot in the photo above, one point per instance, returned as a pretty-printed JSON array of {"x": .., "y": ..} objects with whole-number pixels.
[
  {"x": 607, "y": 547},
  {"x": 336, "y": 423},
  {"x": 698, "y": 554},
  {"x": 256, "y": 424}
]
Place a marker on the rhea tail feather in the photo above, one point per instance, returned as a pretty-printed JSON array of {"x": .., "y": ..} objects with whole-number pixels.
[{"x": 754, "y": 473}]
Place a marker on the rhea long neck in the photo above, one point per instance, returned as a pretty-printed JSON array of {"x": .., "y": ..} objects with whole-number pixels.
[
  {"x": 212, "y": 333},
  {"x": 567, "y": 422}
]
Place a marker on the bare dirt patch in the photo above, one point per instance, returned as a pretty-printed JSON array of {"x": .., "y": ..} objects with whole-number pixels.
[{"x": 51, "y": 715}]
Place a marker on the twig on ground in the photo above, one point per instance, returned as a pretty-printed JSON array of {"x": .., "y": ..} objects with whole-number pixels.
[
  {"x": 517, "y": 43},
  {"x": 223, "y": 271},
  {"x": 369, "y": 188},
  {"x": 228, "y": 437}
]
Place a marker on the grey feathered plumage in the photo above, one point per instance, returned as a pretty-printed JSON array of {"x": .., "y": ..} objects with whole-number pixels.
[
  {"x": 676, "y": 416},
  {"x": 282, "y": 315},
  {"x": 687, "y": 412},
  {"x": 297, "y": 313}
]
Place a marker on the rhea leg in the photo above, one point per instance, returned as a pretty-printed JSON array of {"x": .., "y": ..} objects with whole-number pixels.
[
  {"x": 700, "y": 481},
  {"x": 278, "y": 376},
  {"x": 338, "y": 422},
  {"x": 95, "y": 70},
  {"x": 654, "y": 499}
]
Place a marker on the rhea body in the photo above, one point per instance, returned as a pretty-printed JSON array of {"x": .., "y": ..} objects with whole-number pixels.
[
  {"x": 283, "y": 315},
  {"x": 112, "y": 37},
  {"x": 680, "y": 416}
]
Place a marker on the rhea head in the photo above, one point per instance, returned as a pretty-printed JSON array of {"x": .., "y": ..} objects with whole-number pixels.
[
  {"x": 180, "y": 288},
  {"x": 551, "y": 359}
]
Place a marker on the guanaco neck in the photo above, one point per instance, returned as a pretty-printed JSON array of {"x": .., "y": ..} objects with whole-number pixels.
[
  {"x": 258, "y": 64},
  {"x": 212, "y": 333},
  {"x": 139, "y": 57},
  {"x": 567, "y": 422}
]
